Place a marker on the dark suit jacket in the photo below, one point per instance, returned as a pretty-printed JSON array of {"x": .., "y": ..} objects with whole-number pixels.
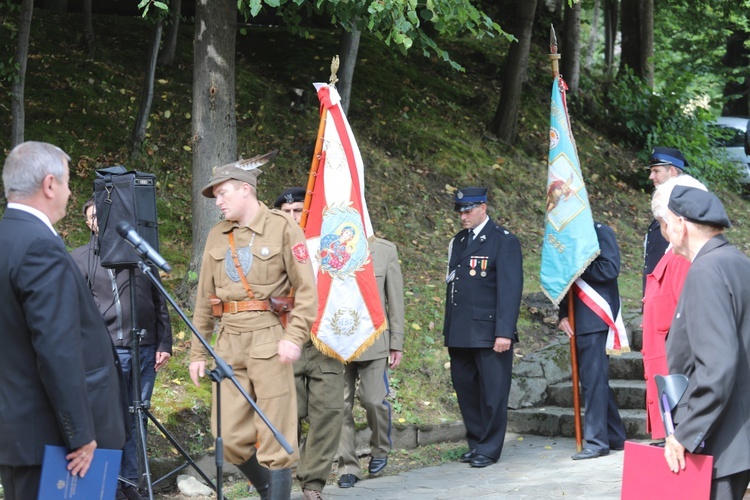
[
  {"x": 709, "y": 341},
  {"x": 391, "y": 288},
  {"x": 58, "y": 384},
  {"x": 479, "y": 308},
  {"x": 602, "y": 276}
]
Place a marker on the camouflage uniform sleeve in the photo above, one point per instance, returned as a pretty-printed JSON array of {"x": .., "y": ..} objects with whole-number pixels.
[
  {"x": 300, "y": 272},
  {"x": 202, "y": 317}
]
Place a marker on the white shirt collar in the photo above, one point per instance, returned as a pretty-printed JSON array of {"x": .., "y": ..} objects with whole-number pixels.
[
  {"x": 479, "y": 228},
  {"x": 36, "y": 213}
]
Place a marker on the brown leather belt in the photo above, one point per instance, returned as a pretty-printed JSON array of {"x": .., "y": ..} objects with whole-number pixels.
[{"x": 236, "y": 306}]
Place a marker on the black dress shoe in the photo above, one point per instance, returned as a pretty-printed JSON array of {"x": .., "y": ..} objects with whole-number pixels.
[
  {"x": 616, "y": 446},
  {"x": 377, "y": 464},
  {"x": 481, "y": 461},
  {"x": 466, "y": 457},
  {"x": 587, "y": 453},
  {"x": 347, "y": 481}
]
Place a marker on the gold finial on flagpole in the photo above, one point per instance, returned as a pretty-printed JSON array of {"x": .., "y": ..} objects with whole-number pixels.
[
  {"x": 334, "y": 70},
  {"x": 554, "y": 57}
]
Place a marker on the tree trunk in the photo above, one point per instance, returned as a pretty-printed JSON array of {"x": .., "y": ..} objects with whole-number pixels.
[
  {"x": 571, "y": 46},
  {"x": 18, "y": 114},
  {"x": 89, "y": 39},
  {"x": 506, "y": 116},
  {"x": 166, "y": 58},
  {"x": 348, "y": 48},
  {"x": 214, "y": 139},
  {"x": 737, "y": 101},
  {"x": 610, "y": 34},
  {"x": 631, "y": 39},
  {"x": 646, "y": 12},
  {"x": 147, "y": 94},
  {"x": 593, "y": 36}
]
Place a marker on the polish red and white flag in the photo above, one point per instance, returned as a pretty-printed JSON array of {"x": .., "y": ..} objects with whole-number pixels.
[{"x": 338, "y": 231}]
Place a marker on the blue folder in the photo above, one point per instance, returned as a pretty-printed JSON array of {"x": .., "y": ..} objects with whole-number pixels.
[{"x": 100, "y": 482}]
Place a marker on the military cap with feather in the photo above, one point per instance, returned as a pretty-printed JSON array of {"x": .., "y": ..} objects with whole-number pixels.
[{"x": 241, "y": 170}]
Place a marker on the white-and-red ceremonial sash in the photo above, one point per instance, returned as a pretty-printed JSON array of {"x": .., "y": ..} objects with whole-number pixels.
[
  {"x": 617, "y": 338},
  {"x": 350, "y": 315}
]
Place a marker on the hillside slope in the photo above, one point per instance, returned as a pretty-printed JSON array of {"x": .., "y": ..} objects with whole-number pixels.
[{"x": 421, "y": 129}]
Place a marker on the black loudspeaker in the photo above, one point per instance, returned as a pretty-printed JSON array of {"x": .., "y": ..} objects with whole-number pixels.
[{"x": 122, "y": 195}]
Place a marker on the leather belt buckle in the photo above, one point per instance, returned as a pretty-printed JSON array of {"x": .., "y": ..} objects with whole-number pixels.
[{"x": 232, "y": 307}]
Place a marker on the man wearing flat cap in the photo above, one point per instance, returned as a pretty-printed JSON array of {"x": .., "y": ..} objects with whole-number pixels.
[
  {"x": 483, "y": 299},
  {"x": 664, "y": 164},
  {"x": 252, "y": 256},
  {"x": 320, "y": 391},
  {"x": 709, "y": 341}
]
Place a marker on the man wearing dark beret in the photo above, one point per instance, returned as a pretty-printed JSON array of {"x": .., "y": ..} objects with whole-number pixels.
[
  {"x": 319, "y": 380},
  {"x": 483, "y": 298},
  {"x": 709, "y": 341},
  {"x": 291, "y": 201},
  {"x": 664, "y": 164}
]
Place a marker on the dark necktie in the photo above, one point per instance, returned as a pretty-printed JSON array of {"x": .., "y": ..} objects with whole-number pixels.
[{"x": 469, "y": 239}]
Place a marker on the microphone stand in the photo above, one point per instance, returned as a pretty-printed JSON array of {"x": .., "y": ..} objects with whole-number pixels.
[
  {"x": 217, "y": 375},
  {"x": 140, "y": 407}
]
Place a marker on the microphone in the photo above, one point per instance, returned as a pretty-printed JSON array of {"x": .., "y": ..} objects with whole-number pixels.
[{"x": 141, "y": 246}]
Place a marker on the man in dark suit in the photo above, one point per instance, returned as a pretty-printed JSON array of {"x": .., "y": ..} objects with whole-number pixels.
[
  {"x": 603, "y": 428},
  {"x": 709, "y": 341},
  {"x": 485, "y": 282},
  {"x": 59, "y": 384}
]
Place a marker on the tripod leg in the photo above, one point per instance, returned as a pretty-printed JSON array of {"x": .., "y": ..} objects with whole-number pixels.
[
  {"x": 144, "y": 475},
  {"x": 182, "y": 452}
]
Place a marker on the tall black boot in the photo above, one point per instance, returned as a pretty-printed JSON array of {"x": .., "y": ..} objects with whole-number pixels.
[
  {"x": 280, "y": 484},
  {"x": 258, "y": 475}
]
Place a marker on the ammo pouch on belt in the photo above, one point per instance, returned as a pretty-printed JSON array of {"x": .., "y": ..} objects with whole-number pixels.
[{"x": 281, "y": 306}]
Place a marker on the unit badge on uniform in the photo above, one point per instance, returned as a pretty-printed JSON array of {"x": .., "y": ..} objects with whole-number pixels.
[{"x": 300, "y": 253}]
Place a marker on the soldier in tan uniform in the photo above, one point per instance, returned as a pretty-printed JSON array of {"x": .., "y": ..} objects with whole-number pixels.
[
  {"x": 272, "y": 254},
  {"x": 371, "y": 368}
]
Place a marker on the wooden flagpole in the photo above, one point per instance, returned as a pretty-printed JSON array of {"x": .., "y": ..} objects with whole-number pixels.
[
  {"x": 554, "y": 58},
  {"x": 315, "y": 164}
]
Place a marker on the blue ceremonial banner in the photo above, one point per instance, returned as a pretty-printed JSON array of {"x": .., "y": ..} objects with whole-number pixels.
[{"x": 570, "y": 242}]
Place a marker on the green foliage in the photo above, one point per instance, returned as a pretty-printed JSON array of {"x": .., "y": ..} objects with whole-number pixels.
[
  {"x": 397, "y": 23},
  {"x": 674, "y": 117},
  {"x": 145, "y": 5}
]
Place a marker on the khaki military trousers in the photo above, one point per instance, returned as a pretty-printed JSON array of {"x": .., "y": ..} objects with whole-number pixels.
[
  {"x": 372, "y": 391},
  {"x": 255, "y": 362},
  {"x": 320, "y": 399}
]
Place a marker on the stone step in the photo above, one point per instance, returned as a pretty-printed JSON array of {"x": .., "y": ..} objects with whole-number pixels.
[
  {"x": 558, "y": 421},
  {"x": 628, "y": 366},
  {"x": 629, "y": 394}
]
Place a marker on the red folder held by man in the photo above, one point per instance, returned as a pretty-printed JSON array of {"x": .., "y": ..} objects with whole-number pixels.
[{"x": 645, "y": 473}]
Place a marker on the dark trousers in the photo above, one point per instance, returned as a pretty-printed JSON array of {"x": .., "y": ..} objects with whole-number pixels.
[
  {"x": 602, "y": 426},
  {"x": 481, "y": 378},
  {"x": 730, "y": 487},
  {"x": 20, "y": 483}
]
